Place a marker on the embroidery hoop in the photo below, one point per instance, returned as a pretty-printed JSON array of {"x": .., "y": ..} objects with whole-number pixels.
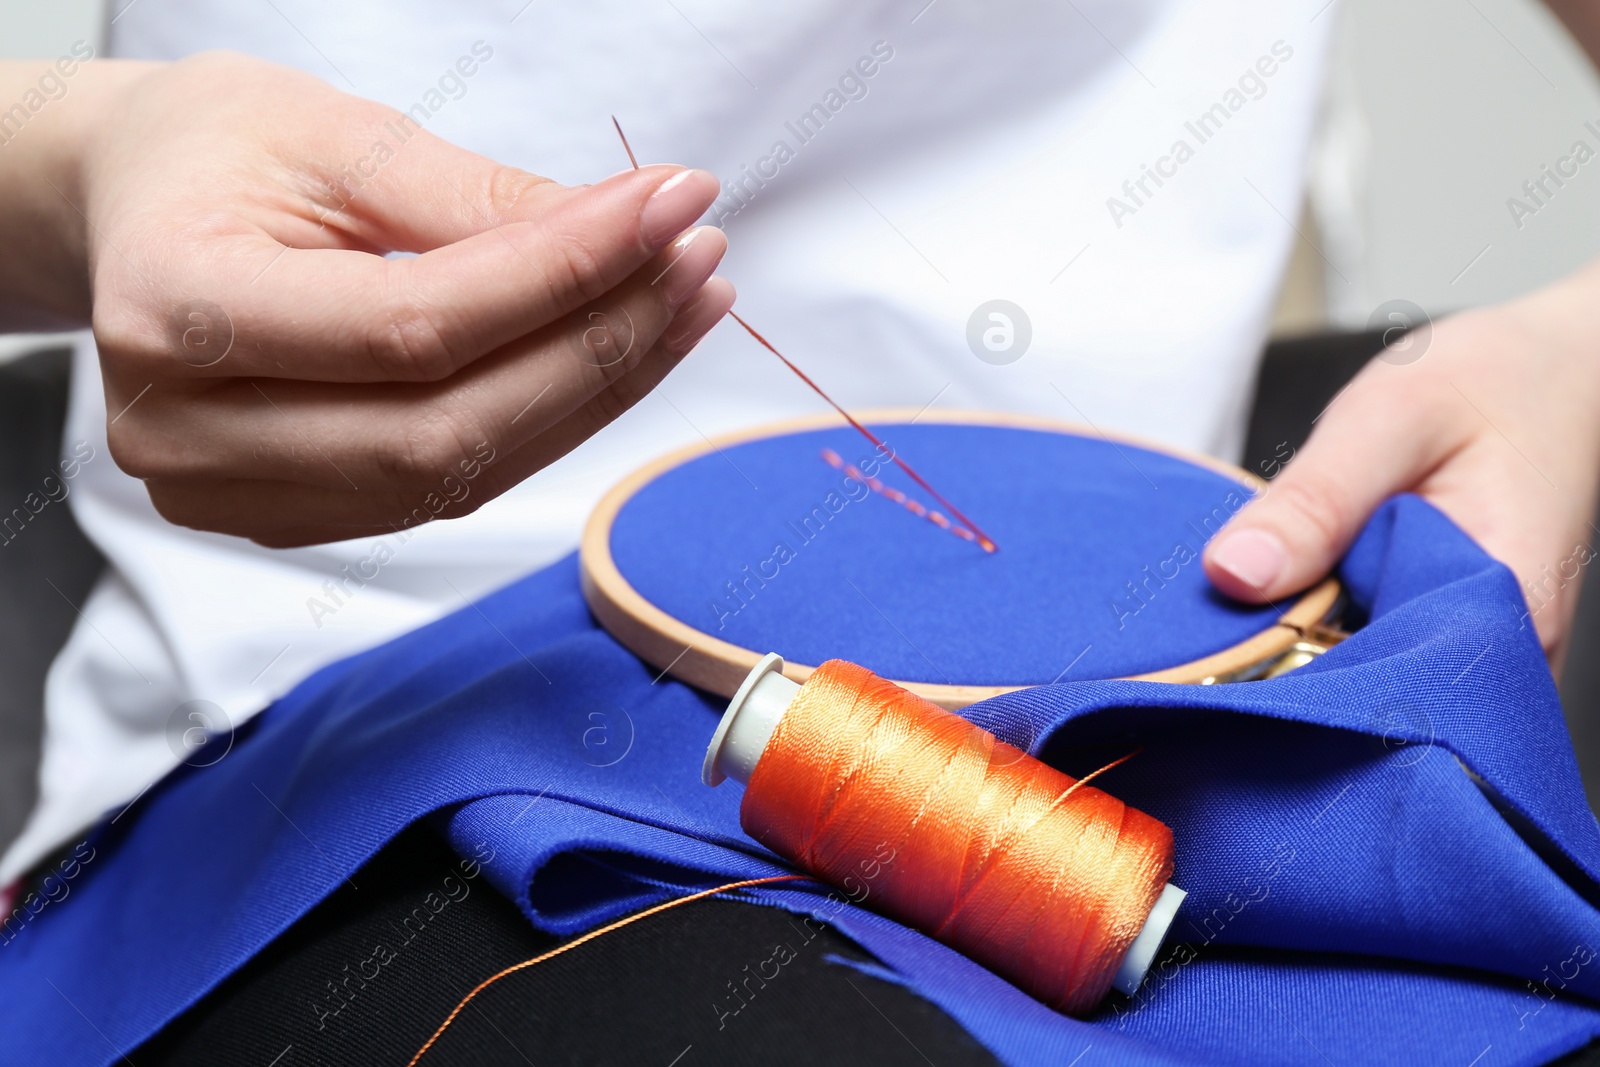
[{"x": 691, "y": 655}]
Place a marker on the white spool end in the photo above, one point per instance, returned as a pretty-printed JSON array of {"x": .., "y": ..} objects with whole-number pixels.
[
  {"x": 747, "y": 725},
  {"x": 1143, "y": 950}
]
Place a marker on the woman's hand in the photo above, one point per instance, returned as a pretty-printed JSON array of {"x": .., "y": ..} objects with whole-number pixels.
[
  {"x": 270, "y": 374},
  {"x": 1497, "y": 423}
]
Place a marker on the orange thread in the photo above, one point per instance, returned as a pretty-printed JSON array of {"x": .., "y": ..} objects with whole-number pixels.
[
  {"x": 991, "y": 859},
  {"x": 837, "y": 462},
  {"x": 590, "y": 936},
  {"x": 978, "y": 535}
]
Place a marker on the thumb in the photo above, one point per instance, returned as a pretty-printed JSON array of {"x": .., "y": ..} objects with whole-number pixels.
[{"x": 1367, "y": 446}]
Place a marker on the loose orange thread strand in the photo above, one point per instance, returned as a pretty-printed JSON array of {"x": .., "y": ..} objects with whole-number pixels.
[
  {"x": 590, "y": 936},
  {"x": 876, "y": 485},
  {"x": 1095, "y": 774},
  {"x": 983, "y": 539}
]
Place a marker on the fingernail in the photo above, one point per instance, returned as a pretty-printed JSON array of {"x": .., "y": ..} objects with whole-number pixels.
[
  {"x": 690, "y": 261},
  {"x": 676, "y": 205},
  {"x": 702, "y": 312},
  {"x": 1254, "y": 557},
  {"x": 646, "y": 169}
]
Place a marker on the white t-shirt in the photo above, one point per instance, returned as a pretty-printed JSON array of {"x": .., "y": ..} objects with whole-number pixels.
[{"x": 1122, "y": 170}]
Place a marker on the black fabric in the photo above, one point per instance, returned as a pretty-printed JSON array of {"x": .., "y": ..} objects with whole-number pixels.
[
  {"x": 47, "y": 566},
  {"x": 1580, "y": 684},
  {"x": 682, "y": 987},
  {"x": 1588, "y": 1056},
  {"x": 1297, "y": 379}
]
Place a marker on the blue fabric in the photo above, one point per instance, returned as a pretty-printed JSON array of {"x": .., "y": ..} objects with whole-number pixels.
[
  {"x": 767, "y": 546},
  {"x": 1354, "y": 897}
]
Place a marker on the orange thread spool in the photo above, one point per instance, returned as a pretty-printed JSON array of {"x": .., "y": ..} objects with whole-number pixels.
[{"x": 1039, "y": 877}]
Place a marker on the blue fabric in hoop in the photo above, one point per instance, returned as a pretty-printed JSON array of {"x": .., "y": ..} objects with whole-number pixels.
[{"x": 765, "y": 545}]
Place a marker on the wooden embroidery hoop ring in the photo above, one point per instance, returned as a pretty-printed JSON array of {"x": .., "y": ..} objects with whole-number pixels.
[{"x": 693, "y": 656}]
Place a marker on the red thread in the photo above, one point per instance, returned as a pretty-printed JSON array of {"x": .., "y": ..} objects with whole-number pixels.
[
  {"x": 877, "y": 486},
  {"x": 1029, "y": 872},
  {"x": 983, "y": 539},
  {"x": 978, "y": 535}
]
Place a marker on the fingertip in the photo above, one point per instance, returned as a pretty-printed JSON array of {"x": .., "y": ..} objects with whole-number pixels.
[
  {"x": 720, "y": 297},
  {"x": 649, "y": 172},
  {"x": 696, "y": 318},
  {"x": 1247, "y": 564},
  {"x": 725, "y": 292},
  {"x": 714, "y": 300},
  {"x": 690, "y": 261},
  {"x": 675, "y": 205}
]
